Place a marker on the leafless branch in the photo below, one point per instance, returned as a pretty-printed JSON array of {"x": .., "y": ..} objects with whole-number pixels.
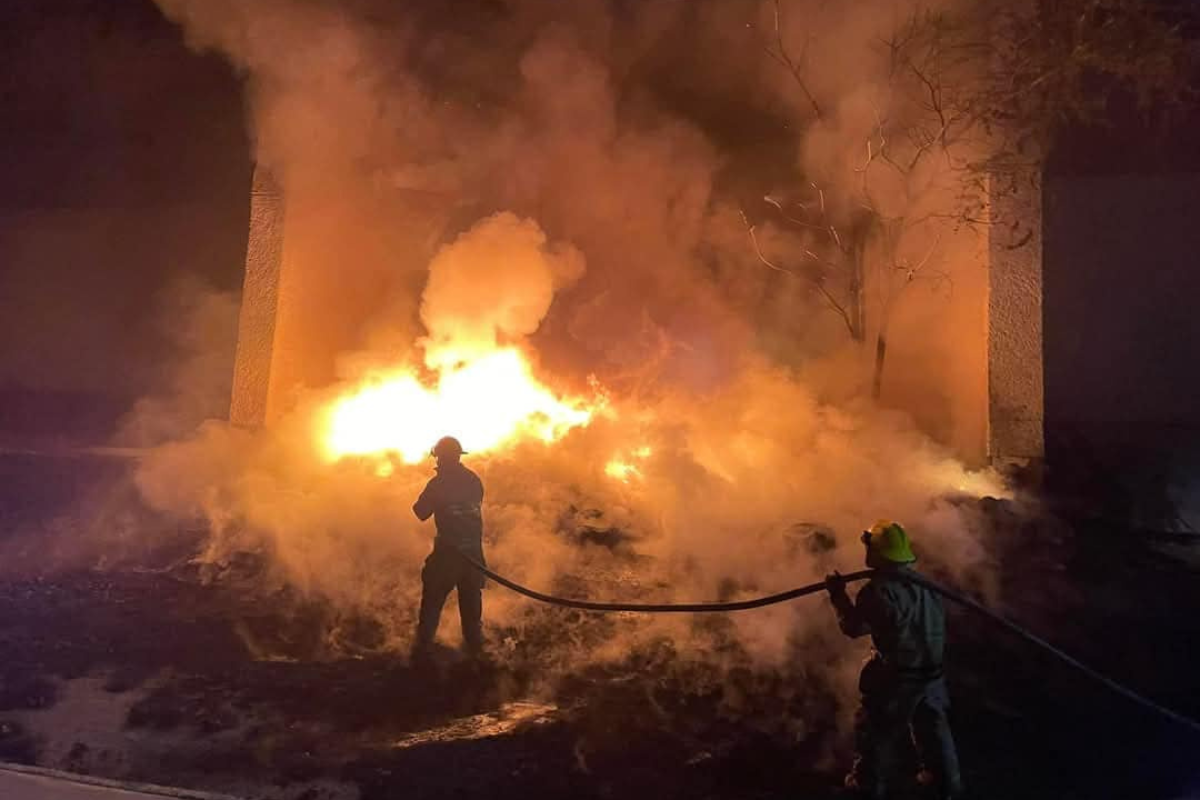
[
  {"x": 936, "y": 106},
  {"x": 780, "y": 54},
  {"x": 820, "y": 196},
  {"x": 819, "y": 285},
  {"x": 925, "y": 261},
  {"x": 837, "y": 240},
  {"x": 794, "y": 220},
  {"x": 963, "y": 217}
]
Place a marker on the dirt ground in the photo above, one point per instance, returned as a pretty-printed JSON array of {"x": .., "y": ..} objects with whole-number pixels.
[{"x": 149, "y": 672}]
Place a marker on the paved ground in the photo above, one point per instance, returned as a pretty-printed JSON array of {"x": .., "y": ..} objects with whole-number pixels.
[{"x": 34, "y": 786}]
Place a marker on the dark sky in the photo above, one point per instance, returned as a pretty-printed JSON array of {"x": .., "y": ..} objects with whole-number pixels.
[
  {"x": 100, "y": 97},
  {"x": 123, "y": 165}
]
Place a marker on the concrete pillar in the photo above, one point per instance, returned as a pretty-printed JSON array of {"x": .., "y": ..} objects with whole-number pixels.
[
  {"x": 260, "y": 303},
  {"x": 1015, "y": 361}
]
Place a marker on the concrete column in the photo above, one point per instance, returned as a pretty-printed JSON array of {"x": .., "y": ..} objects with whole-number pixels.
[
  {"x": 260, "y": 303},
  {"x": 1015, "y": 360}
]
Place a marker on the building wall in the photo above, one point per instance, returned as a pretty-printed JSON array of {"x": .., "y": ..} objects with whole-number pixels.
[
  {"x": 1122, "y": 283},
  {"x": 320, "y": 278},
  {"x": 1122, "y": 336},
  {"x": 86, "y": 306}
]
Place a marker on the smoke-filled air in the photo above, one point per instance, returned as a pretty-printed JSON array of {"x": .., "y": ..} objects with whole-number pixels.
[{"x": 600, "y": 242}]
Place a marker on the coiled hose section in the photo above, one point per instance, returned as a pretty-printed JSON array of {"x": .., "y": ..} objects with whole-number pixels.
[{"x": 814, "y": 588}]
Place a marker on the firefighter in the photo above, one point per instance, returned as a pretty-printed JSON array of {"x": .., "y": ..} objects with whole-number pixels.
[
  {"x": 453, "y": 498},
  {"x": 902, "y": 686}
]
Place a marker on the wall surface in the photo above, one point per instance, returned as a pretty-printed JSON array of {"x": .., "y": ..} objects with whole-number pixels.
[
  {"x": 1122, "y": 283},
  {"x": 1016, "y": 391},
  {"x": 99, "y": 306},
  {"x": 1122, "y": 339},
  {"x": 124, "y": 175},
  {"x": 320, "y": 281},
  {"x": 82, "y": 290},
  {"x": 260, "y": 303}
]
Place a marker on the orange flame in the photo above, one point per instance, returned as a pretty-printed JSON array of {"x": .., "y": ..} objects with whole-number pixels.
[
  {"x": 623, "y": 468},
  {"x": 488, "y": 403}
]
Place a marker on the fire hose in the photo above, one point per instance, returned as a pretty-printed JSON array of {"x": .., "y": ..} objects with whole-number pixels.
[{"x": 814, "y": 588}]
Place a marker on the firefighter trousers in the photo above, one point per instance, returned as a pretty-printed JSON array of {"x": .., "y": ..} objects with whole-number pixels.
[
  {"x": 445, "y": 571},
  {"x": 894, "y": 708}
]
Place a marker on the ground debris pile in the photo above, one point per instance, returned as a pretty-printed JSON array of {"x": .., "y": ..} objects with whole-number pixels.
[{"x": 209, "y": 677}]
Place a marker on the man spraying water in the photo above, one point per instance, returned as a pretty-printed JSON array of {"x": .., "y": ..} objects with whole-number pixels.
[
  {"x": 453, "y": 498},
  {"x": 902, "y": 686}
]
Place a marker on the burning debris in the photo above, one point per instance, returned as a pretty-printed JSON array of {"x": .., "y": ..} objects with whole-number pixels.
[
  {"x": 486, "y": 292},
  {"x": 514, "y": 227},
  {"x": 691, "y": 318},
  {"x": 396, "y": 413}
]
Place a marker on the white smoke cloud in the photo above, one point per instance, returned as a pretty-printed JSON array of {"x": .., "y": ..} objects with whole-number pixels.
[
  {"x": 554, "y": 137},
  {"x": 494, "y": 284}
]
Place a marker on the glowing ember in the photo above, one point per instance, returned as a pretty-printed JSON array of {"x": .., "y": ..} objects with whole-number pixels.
[
  {"x": 487, "y": 403},
  {"x": 623, "y": 469}
]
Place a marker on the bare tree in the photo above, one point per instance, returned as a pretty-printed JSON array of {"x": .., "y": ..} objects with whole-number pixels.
[{"x": 973, "y": 98}]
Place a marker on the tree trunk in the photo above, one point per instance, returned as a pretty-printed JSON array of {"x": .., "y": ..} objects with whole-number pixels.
[
  {"x": 880, "y": 355},
  {"x": 856, "y": 302}
]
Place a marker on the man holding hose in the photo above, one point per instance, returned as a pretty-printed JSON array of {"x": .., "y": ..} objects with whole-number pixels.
[
  {"x": 902, "y": 686},
  {"x": 453, "y": 498}
]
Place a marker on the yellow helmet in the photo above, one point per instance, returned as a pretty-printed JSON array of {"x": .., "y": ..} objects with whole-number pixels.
[{"x": 888, "y": 540}]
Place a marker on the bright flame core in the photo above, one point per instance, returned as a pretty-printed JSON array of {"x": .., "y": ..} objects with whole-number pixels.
[
  {"x": 623, "y": 468},
  {"x": 486, "y": 403}
]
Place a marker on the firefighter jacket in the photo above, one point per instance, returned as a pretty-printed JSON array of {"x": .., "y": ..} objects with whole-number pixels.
[
  {"x": 907, "y": 624},
  {"x": 454, "y": 497}
]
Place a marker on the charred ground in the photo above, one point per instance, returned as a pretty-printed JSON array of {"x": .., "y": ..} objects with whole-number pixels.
[{"x": 150, "y": 668}]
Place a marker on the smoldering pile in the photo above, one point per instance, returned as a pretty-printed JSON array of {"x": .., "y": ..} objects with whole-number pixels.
[{"x": 556, "y": 182}]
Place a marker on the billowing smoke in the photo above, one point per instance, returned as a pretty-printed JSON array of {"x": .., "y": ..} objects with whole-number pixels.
[
  {"x": 448, "y": 175},
  {"x": 493, "y": 285}
]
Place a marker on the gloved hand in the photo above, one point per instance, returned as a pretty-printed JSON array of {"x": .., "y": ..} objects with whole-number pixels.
[{"x": 835, "y": 584}]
